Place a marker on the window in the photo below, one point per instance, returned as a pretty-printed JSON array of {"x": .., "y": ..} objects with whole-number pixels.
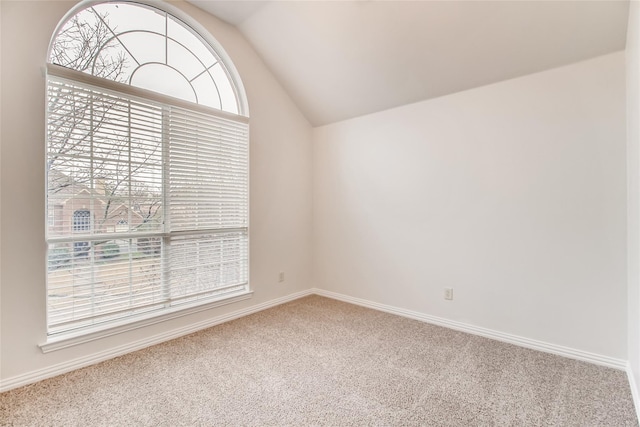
[
  {"x": 81, "y": 223},
  {"x": 122, "y": 226},
  {"x": 147, "y": 169},
  {"x": 81, "y": 220}
]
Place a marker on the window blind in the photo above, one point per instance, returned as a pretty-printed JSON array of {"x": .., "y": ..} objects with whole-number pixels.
[{"x": 147, "y": 204}]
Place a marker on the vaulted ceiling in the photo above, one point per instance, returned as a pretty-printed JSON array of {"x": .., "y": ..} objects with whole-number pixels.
[{"x": 343, "y": 59}]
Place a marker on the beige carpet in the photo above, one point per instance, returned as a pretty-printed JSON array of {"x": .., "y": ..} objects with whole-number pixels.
[{"x": 316, "y": 361}]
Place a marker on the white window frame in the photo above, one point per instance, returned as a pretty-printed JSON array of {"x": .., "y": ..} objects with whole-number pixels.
[{"x": 74, "y": 337}]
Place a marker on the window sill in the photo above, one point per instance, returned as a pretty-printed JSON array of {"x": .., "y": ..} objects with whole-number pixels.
[{"x": 59, "y": 342}]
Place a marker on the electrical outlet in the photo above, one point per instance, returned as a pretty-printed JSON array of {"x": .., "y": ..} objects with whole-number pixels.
[
  {"x": 281, "y": 276},
  {"x": 448, "y": 293}
]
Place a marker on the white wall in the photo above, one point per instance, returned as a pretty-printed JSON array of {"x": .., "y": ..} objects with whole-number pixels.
[
  {"x": 280, "y": 189},
  {"x": 513, "y": 194},
  {"x": 0, "y": 191},
  {"x": 633, "y": 193}
]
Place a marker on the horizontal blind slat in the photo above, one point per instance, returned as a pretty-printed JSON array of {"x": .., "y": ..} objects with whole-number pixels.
[{"x": 106, "y": 156}]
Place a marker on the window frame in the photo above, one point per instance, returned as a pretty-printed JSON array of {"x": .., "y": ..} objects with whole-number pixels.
[{"x": 73, "y": 337}]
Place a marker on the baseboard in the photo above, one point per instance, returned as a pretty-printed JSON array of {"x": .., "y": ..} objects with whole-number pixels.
[
  {"x": 81, "y": 362},
  {"x": 41, "y": 374},
  {"x": 635, "y": 393},
  {"x": 571, "y": 353}
]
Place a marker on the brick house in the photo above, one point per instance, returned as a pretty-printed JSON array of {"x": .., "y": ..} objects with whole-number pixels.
[{"x": 78, "y": 209}]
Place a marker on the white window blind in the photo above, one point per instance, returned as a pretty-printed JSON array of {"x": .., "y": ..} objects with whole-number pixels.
[{"x": 149, "y": 200}]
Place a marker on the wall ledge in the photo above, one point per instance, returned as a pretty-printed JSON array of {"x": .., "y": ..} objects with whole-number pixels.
[{"x": 72, "y": 339}]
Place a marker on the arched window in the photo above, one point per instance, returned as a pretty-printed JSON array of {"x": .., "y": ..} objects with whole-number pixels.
[
  {"x": 148, "y": 48},
  {"x": 146, "y": 119}
]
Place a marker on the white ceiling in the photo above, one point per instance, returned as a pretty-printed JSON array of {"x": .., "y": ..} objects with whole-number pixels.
[{"x": 343, "y": 59}]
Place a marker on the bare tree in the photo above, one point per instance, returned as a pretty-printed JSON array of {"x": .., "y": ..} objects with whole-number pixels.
[
  {"x": 87, "y": 145},
  {"x": 87, "y": 43}
]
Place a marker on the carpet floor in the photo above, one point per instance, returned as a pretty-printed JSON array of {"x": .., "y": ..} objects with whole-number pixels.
[{"x": 320, "y": 362}]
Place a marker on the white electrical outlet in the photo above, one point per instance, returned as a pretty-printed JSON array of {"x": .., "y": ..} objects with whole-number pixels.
[
  {"x": 281, "y": 276},
  {"x": 448, "y": 293}
]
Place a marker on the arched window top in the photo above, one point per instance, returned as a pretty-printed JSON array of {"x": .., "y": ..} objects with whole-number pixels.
[{"x": 145, "y": 47}]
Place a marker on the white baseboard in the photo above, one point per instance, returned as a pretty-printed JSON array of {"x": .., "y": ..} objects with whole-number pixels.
[
  {"x": 81, "y": 362},
  {"x": 559, "y": 350},
  {"x": 635, "y": 393}
]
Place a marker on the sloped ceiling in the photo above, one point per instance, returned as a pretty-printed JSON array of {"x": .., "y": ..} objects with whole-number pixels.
[{"x": 343, "y": 59}]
